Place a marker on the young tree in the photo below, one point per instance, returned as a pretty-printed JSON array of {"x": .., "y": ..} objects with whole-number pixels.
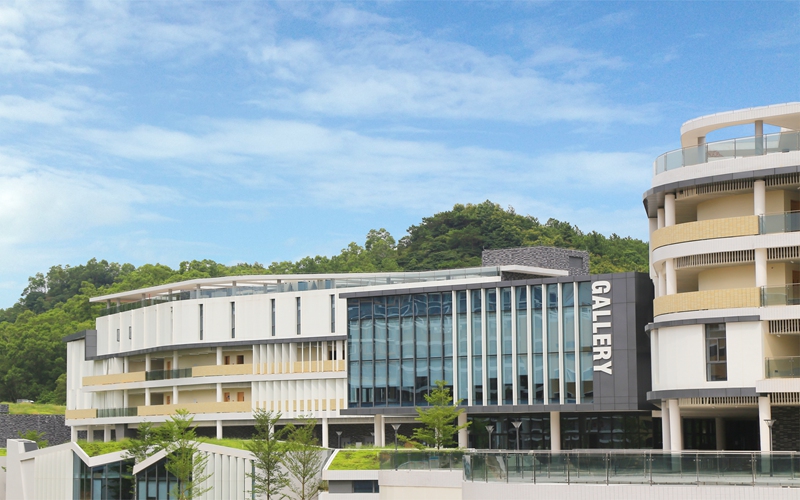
[
  {"x": 145, "y": 443},
  {"x": 184, "y": 460},
  {"x": 36, "y": 436},
  {"x": 304, "y": 460},
  {"x": 439, "y": 418},
  {"x": 269, "y": 477}
]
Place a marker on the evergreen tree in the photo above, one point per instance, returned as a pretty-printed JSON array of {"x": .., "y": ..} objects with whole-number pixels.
[
  {"x": 439, "y": 419},
  {"x": 269, "y": 477}
]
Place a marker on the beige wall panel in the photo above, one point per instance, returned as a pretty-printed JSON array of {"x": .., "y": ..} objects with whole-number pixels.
[
  {"x": 707, "y": 299},
  {"x": 703, "y": 230},
  {"x": 727, "y": 277},
  {"x": 725, "y": 207}
]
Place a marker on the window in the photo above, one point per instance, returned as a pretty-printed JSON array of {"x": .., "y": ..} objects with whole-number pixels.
[
  {"x": 239, "y": 396},
  {"x": 272, "y": 305},
  {"x": 716, "y": 353},
  {"x": 298, "y": 315},
  {"x": 130, "y": 332},
  {"x": 227, "y": 360},
  {"x": 240, "y": 359},
  {"x": 201, "y": 321},
  {"x": 117, "y": 334},
  {"x": 227, "y": 397},
  {"x": 333, "y": 314},
  {"x": 233, "y": 320}
]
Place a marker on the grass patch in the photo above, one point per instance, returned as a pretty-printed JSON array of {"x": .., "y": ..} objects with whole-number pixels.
[
  {"x": 2, "y": 452},
  {"x": 96, "y": 448},
  {"x": 356, "y": 460},
  {"x": 35, "y": 409},
  {"x": 230, "y": 443}
]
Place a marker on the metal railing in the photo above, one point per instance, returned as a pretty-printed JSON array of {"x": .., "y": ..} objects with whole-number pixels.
[
  {"x": 421, "y": 460},
  {"x": 168, "y": 374},
  {"x": 781, "y": 142},
  {"x": 118, "y": 412},
  {"x": 783, "y": 367},
  {"x": 652, "y": 467}
]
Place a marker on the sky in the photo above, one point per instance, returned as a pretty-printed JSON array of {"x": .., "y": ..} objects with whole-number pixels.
[{"x": 167, "y": 131}]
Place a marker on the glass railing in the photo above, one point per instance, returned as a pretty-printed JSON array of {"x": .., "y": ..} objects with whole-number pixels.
[
  {"x": 635, "y": 467},
  {"x": 786, "y": 222},
  {"x": 118, "y": 412},
  {"x": 781, "y": 295},
  {"x": 302, "y": 285},
  {"x": 785, "y": 367},
  {"x": 781, "y": 142},
  {"x": 421, "y": 460},
  {"x": 168, "y": 374}
]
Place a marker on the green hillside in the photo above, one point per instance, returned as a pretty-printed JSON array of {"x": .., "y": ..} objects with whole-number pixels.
[{"x": 56, "y": 304}]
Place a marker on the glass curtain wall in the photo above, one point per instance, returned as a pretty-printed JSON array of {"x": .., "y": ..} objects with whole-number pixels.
[
  {"x": 506, "y": 351},
  {"x": 491, "y": 344},
  {"x": 463, "y": 341},
  {"x": 109, "y": 481},
  {"x": 568, "y": 327},
  {"x": 553, "y": 383},
  {"x": 585, "y": 330},
  {"x": 537, "y": 344},
  {"x": 521, "y": 296},
  {"x": 477, "y": 347}
]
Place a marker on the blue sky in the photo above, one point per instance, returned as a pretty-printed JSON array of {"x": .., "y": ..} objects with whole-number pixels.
[{"x": 151, "y": 132}]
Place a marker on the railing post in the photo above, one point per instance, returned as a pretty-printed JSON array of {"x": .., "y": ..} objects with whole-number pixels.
[
  {"x": 567, "y": 468},
  {"x": 608, "y": 466},
  {"x": 533, "y": 466},
  {"x": 753, "y": 467},
  {"x": 697, "y": 467}
]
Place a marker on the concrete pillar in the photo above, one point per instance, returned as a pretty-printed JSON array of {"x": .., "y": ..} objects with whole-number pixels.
[
  {"x": 669, "y": 210},
  {"x": 125, "y": 401},
  {"x": 764, "y": 414},
  {"x": 759, "y": 197},
  {"x": 759, "y": 126},
  {"x": 660, "y": 218},
  {"x": 147, "y": 396},
  {"x": 219, "y": 355},
  {"x": 671, "y": 278},
  {"x": 761, "y": 267},
  {"x": 719, "y": 425},
  {"x": 73, "y": 433},
  {"x": 126, "y": 365},
  {"x": 219, "y": 429},
  {"x": 89, "y": 433},
  {"x": 106, "y": 433},
  {"x": 666, "y": 438},
  {"x": 174, "y": 394},
  {"x": 119, "y": 432},
  {"x": 662, "y": 281},
  {"x": 219, "y": 393},
  {"x": 175, "y": 360},
  {"x": 555, "y": 431},
  {"x": 675, "y": 426},
  {"x": 379, "y": 427},
  {"x": 325, "y": 438},
  {"x": 147, "y": 362},
  {"x": 463, "y": 436}
]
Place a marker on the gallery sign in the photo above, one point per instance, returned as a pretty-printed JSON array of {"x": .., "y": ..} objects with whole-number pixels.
[{"x": 601, "y": 326}]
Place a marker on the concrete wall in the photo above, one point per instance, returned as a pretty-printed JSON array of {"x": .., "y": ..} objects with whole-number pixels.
[
  {"x": 2, "y": 478},
  {"x": 525, "y": 491},
  {"x": 55, "y": 432},
  {"x": 405, "y": 484},
  {"x": 724, "y": 278},
  {"x": 724, "y": 207},
  {"x": 546, "y": 257}
]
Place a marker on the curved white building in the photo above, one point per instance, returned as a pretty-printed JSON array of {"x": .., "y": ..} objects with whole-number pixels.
[{"x": 725, "y": 261}]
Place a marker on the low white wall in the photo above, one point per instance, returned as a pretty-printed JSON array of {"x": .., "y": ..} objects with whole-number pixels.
[
  {"x": 405, "y": 484},
  {"x": 2, "y": 478},
  {"x": 522, "y": 491}
]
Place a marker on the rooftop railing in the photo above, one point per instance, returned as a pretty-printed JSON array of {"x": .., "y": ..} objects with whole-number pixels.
[
  {"x": 781, "y": 142},
  {"x": 652, "y": 467},
  {"x": 421, "y": 460},
  {"x": 783, "y": 367}
]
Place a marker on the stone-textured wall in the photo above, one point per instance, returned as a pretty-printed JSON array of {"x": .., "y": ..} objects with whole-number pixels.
[
  {"x": 786, "y": 431},
  {"x": 546, "y": 257},
  {"x": 55, "y": 432}
]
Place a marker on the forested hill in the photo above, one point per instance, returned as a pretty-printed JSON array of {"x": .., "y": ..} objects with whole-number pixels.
[{"x": 55, "y": 304}]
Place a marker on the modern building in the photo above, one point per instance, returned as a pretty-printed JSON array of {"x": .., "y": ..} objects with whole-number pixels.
[
  {"x": 538, "y": 351},
  {"x": 725, "y": 261}
]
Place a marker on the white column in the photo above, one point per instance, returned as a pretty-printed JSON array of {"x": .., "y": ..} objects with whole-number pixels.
[
  {"x": 174, "y": 360},
  {"x": 669, "y": 210},
  {"x": 662, "y": 281},
  {"x": 73, "y": 433},
  {"x": 666, "y": 438},
  {"x": 759, "y": 197},
  {"x": 660, "y": 218},
  {"x": 463, "y": 437},
  {"x": 125, "y": 398},
  {"x": 106, "y": 433},
  {"x": 764, "y": 414},
  {"x": 219, "y": 429},
  {"x": 126, "y": 365},
  {"x": 147, "y": 396},
  {"x": 89, "y": 433},
  {"x": 325, "y": 437},
  {"x": 378, "y": 431},
  {"x": 219, "y": 393},
  {"x": 147, "y": 362},
  {"x": 719, "y": 425},
  {"x": 675, "y": 426},
  {"x": 671, "y": 278},
  {"x": 219, "y": 355},
  {"x": 174, "y": 394},
  {"x": 555, "y": 431},
  {"x": 761, "y": 267}
]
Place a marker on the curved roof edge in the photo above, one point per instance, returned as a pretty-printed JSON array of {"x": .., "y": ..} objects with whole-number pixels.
[{"x": 786, "y": 115}]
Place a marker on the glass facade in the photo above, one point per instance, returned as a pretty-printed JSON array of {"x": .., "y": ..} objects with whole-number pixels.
[
  {"x": 155, "y": 483},
  {"x": 606, "y": 431},
  {"x": 110, "y": 481}
]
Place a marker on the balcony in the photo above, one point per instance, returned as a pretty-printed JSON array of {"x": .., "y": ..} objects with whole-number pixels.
[
  {"x": 747, "y": 225},
  {"x": 707, "y": 299},
  {"x": 115, "y": 378},
  {"x": 117, "y": 412},
  {"x": 79, "y": 414},
  {"x": 782, "y": 142},
  {"x": 212, "y": 370},
  {"x": 781, "y": 295},
  {"x": 169, "y": 374},
  {"x": 784, "y": 367},
  {"x": 195, "y": 408}
]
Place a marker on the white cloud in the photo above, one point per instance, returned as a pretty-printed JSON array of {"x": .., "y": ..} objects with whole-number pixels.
[{"x": 16, "y": 108}]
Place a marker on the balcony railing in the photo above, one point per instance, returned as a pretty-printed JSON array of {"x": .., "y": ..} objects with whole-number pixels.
[
  {"x": 118, "y": 412},
  {"x": 169, "y": 374},
  {"x": 785, "y": 367},
  {"x": 781, "y": 142},
  {"x": 781, "y": 295},
  {"x": 635, "y": 467},
  {"x": 786, "y": 222}
]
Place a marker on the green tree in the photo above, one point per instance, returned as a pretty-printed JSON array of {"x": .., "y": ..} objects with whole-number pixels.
[
  {"x": 184, "y": 459},
  {"x": 146, "y": 443},
  {"x": 439, "y": 418},
  {"x": 35, "y": 436},
  {"x": 269, "y": 477},
  {"x": 303, "y": 461}
]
